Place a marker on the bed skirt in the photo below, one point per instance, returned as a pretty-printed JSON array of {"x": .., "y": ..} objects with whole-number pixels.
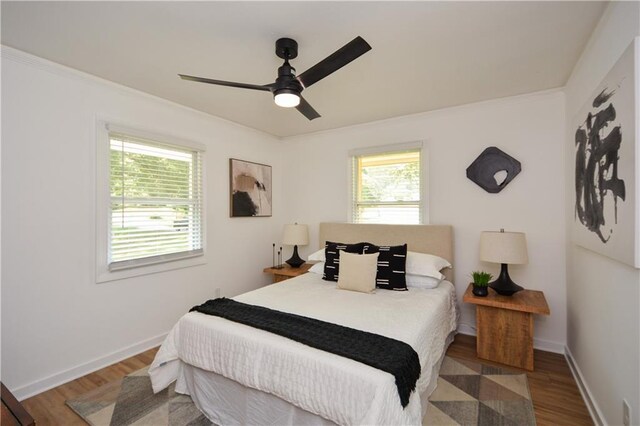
[{"x": 227, "y": 402}]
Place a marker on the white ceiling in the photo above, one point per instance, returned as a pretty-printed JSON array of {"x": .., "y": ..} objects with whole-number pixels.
[{"x": 425, "y": 56}]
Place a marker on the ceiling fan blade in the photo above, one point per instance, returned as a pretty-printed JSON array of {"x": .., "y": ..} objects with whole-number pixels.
[
  {"x": 341, "y": 57},
  {"x": 306, "y": 109},
  {"x": 266, "y": 88}
]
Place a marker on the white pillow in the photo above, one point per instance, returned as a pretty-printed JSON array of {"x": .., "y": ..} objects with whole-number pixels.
[
  {"x": 317, "y": 268},
  {"x": 358, "y": 272},
  {"x": 427, "y": 265},
  {"x": 422, "y": 264},
  {"x": 318, "y": 256},
  {"x": 420, "y": 281}
]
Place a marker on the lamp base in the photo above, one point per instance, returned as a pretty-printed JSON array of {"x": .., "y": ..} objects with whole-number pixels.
[
  {"x": 295, "y": 261},
  {"x": 503, "y": 284}
]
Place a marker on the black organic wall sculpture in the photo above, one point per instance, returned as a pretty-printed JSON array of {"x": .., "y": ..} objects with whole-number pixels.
[{"x": 485, "y": 170}]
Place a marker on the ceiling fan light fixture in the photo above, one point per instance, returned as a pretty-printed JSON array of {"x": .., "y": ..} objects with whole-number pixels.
[
  {"x": 287, "y": 98},
  {"x": 287, "y": 88}
]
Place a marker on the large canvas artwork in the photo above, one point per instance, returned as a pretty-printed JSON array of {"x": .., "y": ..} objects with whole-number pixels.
[
  {"x": 606, "y": 161},
  {"x": 250, "y": 188}
]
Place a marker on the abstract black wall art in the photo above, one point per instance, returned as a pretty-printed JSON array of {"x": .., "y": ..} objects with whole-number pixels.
[
  {"x": 606, "y": 160},
  {"x": 250, "y": 185},
  {"x": 493, "y": 169}
]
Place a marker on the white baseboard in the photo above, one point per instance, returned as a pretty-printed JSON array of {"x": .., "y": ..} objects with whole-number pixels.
[
  {"x": 548, "y": 345},
  {"x": 543, "y": 345},
  {"x": 592, "y": 406},
  {"x": 466, "y": 329},
  {"x": 39, "y": 386}
]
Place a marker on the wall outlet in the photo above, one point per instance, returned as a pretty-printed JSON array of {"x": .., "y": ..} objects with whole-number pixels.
[
  {"x": 626, "y": 413},
  {"x": 216, "y": 293}
]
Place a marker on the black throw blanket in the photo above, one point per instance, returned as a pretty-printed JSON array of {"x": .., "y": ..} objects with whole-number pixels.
[{"x": 389, "y": 355}]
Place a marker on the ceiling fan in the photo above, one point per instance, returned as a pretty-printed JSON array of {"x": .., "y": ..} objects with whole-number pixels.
[{"x": 288, "y": 87}]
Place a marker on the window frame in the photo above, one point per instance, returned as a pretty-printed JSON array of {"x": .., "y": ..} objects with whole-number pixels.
[
  {"x": 390, "y": 149},
  {"x": 103, "y": 206}
]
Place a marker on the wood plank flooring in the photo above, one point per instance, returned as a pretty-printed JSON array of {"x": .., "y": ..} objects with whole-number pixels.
[
  {"x": 556, "y": 398},
  {"x": 49, "y": 409}
]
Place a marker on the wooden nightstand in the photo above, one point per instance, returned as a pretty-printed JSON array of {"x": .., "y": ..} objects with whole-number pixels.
[
  {"x": 287, "y": 272},
  {"x": 505, "y": 325}
]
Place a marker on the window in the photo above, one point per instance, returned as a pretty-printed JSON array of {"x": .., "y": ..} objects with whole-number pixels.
[
  {"x": 387, "y": 185},
  {"x": 154, "y": 212}
]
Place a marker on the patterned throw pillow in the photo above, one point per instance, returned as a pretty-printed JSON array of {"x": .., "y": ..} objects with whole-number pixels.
[
  {"x": 332, "y": 258},
  {"x": 392, "y": 263}
]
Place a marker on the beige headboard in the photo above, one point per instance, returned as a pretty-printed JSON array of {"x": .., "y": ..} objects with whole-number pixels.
[{"x": 432, "y": 239}]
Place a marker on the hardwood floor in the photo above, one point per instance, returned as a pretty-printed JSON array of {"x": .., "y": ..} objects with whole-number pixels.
[
  {"x": 48, "y": 408},
  {"x": 556, "y": 398}
]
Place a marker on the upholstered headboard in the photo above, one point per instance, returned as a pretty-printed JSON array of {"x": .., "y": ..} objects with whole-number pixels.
[{"x": 432, "y": 239}]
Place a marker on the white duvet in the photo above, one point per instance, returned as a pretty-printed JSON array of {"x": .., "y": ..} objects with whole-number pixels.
[{"x": 336, "y": 388}]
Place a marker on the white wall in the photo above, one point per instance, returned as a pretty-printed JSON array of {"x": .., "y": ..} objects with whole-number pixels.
[
  {"x": 603, "y": 295},
  {"x": 58, "y": 323},
  {"x": 529, "y": 128}
]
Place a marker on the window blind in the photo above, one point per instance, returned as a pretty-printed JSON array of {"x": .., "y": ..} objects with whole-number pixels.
[
  {"x": 156, "y": 202},
  {"x": 386, "y": 187}
]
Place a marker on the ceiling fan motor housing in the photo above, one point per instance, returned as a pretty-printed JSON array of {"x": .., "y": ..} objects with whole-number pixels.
[{"x": 287, "y": 80}]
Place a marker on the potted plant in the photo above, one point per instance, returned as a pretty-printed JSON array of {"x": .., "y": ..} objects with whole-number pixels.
[{"x": 481, "y": 283}]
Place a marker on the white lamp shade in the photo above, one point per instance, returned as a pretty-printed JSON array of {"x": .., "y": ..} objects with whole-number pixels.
[
  {"x": 503, "y": 247},
  {"x": 295, "y": 235}
]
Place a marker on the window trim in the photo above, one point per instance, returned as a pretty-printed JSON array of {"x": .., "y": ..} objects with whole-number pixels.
[
  {"x": 391, "y": 148},
  {"x": 103, "y": 206}
]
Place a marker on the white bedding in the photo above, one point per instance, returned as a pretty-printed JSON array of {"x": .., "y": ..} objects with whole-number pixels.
[{"x": 336, "y": 388}]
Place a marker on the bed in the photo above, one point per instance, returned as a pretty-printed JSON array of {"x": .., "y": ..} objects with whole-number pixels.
[{"x": 237, "y": 374}]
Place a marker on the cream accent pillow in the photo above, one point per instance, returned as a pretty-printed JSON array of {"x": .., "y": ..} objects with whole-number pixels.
[{"x": 358, "y": 272}]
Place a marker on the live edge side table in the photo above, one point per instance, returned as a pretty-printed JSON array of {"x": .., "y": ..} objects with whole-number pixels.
[
  {"x": 286, "y": 272},
  {"x": 505, "y": 325}
]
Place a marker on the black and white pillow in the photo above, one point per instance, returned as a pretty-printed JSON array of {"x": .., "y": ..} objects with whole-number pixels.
[
  {"x": 392, "y": 263},
  {"x": 332, "y": 258}
]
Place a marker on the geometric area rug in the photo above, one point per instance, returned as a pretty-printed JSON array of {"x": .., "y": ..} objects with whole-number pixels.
[
  {"x": 468, "y": 393},
  {"x": 131, "y": 401},
  {"x": 471, "y": 393}
]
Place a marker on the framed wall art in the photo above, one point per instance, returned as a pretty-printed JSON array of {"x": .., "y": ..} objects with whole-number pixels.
[
  {"x": 605, "y": 139},
  {"x": 250, "y": 189}
]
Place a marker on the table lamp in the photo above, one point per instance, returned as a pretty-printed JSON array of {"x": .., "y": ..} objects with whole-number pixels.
[
  {"x": 295, "y": 235},
  {"x": 504, "y": 248}
]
